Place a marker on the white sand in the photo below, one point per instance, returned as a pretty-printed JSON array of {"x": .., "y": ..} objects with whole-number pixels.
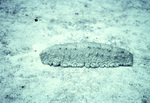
[{"x": 121, "y": 23}]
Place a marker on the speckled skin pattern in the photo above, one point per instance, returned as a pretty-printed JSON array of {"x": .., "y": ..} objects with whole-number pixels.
[{"x": 88, "y": 54}]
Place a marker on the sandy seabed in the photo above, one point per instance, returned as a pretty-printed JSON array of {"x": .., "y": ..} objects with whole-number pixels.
[{"x": 29, "y": 26}]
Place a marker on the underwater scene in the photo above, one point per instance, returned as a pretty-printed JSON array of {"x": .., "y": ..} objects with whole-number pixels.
[{"x": 74, "y": 51}]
